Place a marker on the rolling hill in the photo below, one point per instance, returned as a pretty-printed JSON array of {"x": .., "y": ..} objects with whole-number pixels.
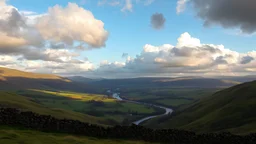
[
  {"x": 232, "y": 109},
  {"x": 239, "y": 78},
  {"x": 11, "y": 79},
  {"x": 12, "y": 100}
]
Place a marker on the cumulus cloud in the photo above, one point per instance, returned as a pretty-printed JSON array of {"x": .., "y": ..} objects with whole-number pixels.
[
  {"x": 58, "y": 68},
  {"x": 227, "y": 13},
  {"x": 2, "y": 2},
  {"x": 157, "y": 21},
  {"x": 60, "y": 27},
  {"x": 15, "y": 34},
  {"x": 71, "y": 24},
  {"x": 46, "y": 42},
  {"x": 6, "y": 60},
  {"x": 188, "y": 57}
]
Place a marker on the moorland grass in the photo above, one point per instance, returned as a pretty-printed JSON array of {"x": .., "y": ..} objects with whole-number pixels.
[{"x": 16, "y": 136}]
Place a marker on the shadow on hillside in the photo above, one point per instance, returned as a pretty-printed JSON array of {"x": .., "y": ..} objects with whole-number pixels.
[{"x": 18, "y": 83}]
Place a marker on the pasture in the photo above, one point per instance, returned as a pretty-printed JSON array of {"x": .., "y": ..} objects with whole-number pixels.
[{"x": 100, "y": 106}]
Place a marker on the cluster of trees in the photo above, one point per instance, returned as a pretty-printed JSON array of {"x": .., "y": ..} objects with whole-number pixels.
[{"x": 46, "y": 123}]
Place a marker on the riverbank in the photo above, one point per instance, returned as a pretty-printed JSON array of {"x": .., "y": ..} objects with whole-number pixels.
[{"x": 167, "y": 110}]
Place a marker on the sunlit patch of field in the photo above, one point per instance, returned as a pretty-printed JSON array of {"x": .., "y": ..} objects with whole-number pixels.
[
  {"x": 78, "y": 96},
  {"x": 8, "y": 99},
  {"x": 96, "y": 105}
]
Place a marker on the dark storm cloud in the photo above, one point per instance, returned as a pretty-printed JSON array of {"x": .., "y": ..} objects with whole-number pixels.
[
  {"x": 157, "y": 21},
  {"x": 246, "y": 59},
  {"x": 228, "y": 13}
]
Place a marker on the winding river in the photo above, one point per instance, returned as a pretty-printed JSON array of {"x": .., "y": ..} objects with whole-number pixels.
[{"x": 167, "y": 110}]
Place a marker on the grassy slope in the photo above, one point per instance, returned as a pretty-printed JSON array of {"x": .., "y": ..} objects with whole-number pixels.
[
  {"x": 11, "y": 79},
  {"x": 6, "y": 72},
  {"x": 231, "y": 109},
  {"x": 12, "y": 136},
  {"x": 169, "y": 97},
  {"x": 17, "y": 101}
]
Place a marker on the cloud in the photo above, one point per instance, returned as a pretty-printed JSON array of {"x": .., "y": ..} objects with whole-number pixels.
[
  {"x": 226, "y": 13},
  {"x": 246, "y": 59},
  {"x": 27, "y": 13},
  {"x": 111, "y": 3},
  {"x": 181, "y": 5},
  {"x": 52, "y": 43},
  {"x": 125, "y": 55},
  {"x": 58, "y": 68},
  {"x": 31, "y": 41},
  {"x": 145, "y": 2},
  {"x": 157, "y": 21},
  {"x": 188, "y": 57},
  {"x": 6, "y": 60},
  {"x": 128, "y": 6},
  {"x": 15, "y": 34},
  {"x": 71, "y": 24},
  {"x": 46, "y": 42},
  {"x": 67, "y": 27},
  {"x": 3, "y": 3},
  {"x": 149, "y": 2}
]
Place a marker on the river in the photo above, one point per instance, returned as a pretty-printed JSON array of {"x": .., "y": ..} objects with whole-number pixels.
[{"x": 167, "y": 110}]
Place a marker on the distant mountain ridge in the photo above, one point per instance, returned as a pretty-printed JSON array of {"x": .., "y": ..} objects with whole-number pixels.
[
  {"x": 188, "y": 82},
  {"x": 15, "y": 79},
  {"x": 242, "y": 79},
  {"x": 83, "y": 79}
]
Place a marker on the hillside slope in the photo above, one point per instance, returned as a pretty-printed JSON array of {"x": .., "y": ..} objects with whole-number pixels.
[
  {"x": 232, "y": 109},
  {"x": 12, "y": 100},
  {"x": 11, "y": 79}
]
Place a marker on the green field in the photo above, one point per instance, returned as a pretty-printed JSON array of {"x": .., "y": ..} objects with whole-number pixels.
[
  {"x": 96, "y": 105},
  {"x": 174, "y": 102},
  {"x": 13, "y": 136},
  {"x": 170, "y": 97}
]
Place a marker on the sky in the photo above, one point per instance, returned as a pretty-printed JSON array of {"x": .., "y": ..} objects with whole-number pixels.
[{"x": 129, "y": 38}]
